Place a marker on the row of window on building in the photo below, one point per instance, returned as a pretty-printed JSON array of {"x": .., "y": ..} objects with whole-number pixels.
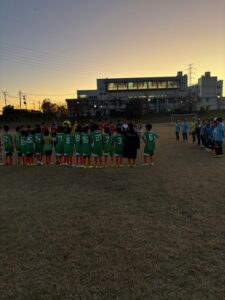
[{"x": 142, "y": 85}]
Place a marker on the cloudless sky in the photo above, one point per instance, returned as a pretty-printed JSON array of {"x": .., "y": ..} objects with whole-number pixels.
[{"x": 51, "y": 48}]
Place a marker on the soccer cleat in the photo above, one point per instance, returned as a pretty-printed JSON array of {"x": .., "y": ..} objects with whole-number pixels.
[{"x": 152, "y": 164}]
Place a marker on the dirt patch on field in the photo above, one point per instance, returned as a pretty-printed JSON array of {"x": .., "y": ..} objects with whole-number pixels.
[{"x": 143, "y": 233}]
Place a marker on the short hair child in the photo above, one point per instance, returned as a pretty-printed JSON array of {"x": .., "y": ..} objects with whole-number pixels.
[
  {"x": 97, "y": 146},
  {"x": 149, "y": 138},
  {"x": 8, "y": 146},
  {"x": 177, "y": 130},
  {"x": 47, "y": 139},
  {"x": 78, "y": 145},
  {"x": 59, "y": 145},
  {"x": 39, "y": 144},
  {"x": 23, "y": 147},
  {"x": 17, "y": 138},
  {"x": 118, "y": 147},
  {"x": 86, "y": 147},
  {"x": 29, "y": 146},
  {"x": 108, "y": 146},
  {"x": 68, "y": 147}
]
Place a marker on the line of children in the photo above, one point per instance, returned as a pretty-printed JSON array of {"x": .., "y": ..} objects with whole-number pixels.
[
  {"x": 210, "y": 134},
  {"x": 90, "y": 146}
]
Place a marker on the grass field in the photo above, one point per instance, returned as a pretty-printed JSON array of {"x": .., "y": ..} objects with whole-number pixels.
[{"x": 143, "y": 233}]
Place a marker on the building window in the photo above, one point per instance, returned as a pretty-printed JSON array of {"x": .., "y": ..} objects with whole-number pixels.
[
  {"x": 132, "y": 86},
  {"x": 162, "y": 85},
  {"x": 142, "y": 85},
  {"x": 173, "y": 84},
  {"x": 112, "y": 86},
  {"x": 122, "y": 86},
  {"x": 152, "y": 85},
  {"x": 83, "y": 96}
]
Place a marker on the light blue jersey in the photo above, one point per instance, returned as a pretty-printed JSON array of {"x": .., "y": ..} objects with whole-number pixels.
[
  {"x": 185, "y": 127},
  {"x": 219, "y": 132},
  {"x": 177, "y": 128}
]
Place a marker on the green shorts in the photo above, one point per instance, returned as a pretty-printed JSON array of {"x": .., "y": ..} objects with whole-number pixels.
[
  {"x": 97, "y": 151},
  {"x": 148, "y": 152}
]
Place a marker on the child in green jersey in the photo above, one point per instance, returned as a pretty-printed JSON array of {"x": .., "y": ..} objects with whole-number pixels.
[
  {"x": 68, "y": 147},
  {"x": 39, "y": 144},
  {"x": 78, "y": 145},
  {"x": 149, "y": 138},
  {"x": 118, "y": 147},
  {"x": 30, "y": 146},
  {"x": 47, "y": 139},
  {"x": 23, "y": 147},
  {"x": 17, "y": 137},
  {"x": 8, "y": 146},
  {"x": 86, "y": 147},
  {"x": 108, "y": 146},
  {"x": 97, "y": 146},
  {"x": 59, "y": 145}
]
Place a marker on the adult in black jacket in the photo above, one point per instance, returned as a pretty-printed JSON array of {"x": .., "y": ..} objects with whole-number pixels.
[{"x": 131, "y": 144}]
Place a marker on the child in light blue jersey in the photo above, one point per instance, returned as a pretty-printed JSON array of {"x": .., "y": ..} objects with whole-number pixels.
[
  {"x": 185, "y": 128},
  {"x": 177, "y": 130},
  {"x": 219, "y": 137}
]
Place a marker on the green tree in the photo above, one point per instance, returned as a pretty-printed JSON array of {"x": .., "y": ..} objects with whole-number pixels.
[{"x": 48, "y": 107}]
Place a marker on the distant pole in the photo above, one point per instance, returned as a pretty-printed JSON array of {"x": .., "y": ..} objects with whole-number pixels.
[
  {"x": 5, "y": 97},
  {"x": 20, "y": 97},
  {"x": 24, "y": 101}
]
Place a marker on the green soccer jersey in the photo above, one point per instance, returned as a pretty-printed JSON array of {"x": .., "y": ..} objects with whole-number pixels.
[
  {"x": 59, "y": 147},
  {"x": 108, "y": 144},
  {"x": 86, "y": 144},
  {"x": 149, "y": 138},
  {"x": 8, "y": 142},
  {"x": 23, "y": 145},
  {"x": 17, "y": 138},
  {"x": 47, "y": 139},
  {"x": 118, "y": 144},
  {"x": 78, "y": 142},
  {"x": 97, "y": 143},
  {"x": 68, "y": 144},
  {"x": 29, "y": 144},
  {"x": 39, "y": 144}
]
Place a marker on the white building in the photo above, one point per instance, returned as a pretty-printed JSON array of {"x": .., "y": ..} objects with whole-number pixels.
[
  {"x": 210, "y": 91},
  {"x": 157, "y": 94}
]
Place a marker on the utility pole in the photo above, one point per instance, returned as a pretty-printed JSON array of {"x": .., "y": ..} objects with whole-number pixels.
[
  {"x": 5, "y": 97},
  {"x": 24, "y": 101},
  {"x": 20, "y": 97}
]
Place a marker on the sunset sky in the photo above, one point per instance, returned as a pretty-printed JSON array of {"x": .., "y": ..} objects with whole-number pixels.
[{"x": 51, "y": 48}]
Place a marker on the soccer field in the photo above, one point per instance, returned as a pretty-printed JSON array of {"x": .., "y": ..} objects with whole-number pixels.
[{"x": 131, "y": 233}]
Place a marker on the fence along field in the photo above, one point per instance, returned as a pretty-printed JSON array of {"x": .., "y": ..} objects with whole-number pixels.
[{"x": 142, "y": 233}]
